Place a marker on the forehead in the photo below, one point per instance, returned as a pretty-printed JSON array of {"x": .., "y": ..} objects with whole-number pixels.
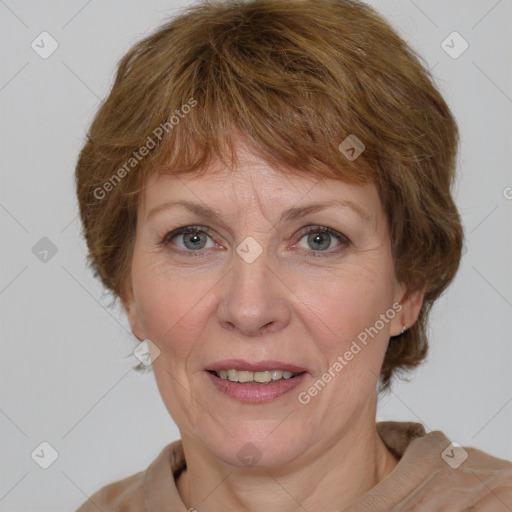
[{"x": 253, "y": 184}]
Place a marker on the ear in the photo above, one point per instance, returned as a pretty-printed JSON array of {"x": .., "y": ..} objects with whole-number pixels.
[
  {"x": 132, "y": 312},
  {"x": 410, "y": 302}
]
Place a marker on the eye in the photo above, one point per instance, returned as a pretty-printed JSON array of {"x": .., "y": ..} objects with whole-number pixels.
[
  {"x": 189, "y": 238},
  {"x": 320, "y": 239},
  {"x": 192, "y": 240}
]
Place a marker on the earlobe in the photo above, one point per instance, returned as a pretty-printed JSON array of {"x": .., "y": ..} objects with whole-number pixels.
[{"x": 411, "y": 303}]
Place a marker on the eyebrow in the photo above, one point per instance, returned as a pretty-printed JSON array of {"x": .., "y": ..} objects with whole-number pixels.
[{"x": 294, "y": 213}]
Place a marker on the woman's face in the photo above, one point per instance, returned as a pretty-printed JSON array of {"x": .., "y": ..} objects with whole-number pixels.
[{"x": 260, "y": 284}]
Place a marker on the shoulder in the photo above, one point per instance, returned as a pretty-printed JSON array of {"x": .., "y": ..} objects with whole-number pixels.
[
  {"x": 114, "y": 497},
  {"x": 467, "y": 476},
  {"x": 130, "y": 494},
  {"x": 434, "y": 471}
]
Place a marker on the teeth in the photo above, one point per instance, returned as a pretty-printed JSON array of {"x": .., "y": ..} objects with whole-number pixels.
[
  {"x": 245, "y": 376},
  {"x": 276, "y": 374},
  {"x": 262, "y": 377},
  {"x": 259, "y": 377}
]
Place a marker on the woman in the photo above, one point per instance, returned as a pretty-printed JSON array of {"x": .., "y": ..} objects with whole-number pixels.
[{"x": 267, "y": 191}]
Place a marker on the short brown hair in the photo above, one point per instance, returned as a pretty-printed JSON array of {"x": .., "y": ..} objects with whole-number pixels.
[{"x": 295, "y": 78}]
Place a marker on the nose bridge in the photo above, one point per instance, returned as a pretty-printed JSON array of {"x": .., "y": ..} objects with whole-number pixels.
[{"x": 252, "y": 301}]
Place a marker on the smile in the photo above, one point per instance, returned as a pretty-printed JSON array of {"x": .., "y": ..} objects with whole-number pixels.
[
  {"x": 252, "y": 391},
  {"x": 263, "y": 377}
]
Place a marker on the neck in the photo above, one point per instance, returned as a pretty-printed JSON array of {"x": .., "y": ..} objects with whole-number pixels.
[{"x": 328, "y": 480}]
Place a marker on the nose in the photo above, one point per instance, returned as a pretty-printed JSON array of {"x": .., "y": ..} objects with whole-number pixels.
[{"x": 254, "y": 301}]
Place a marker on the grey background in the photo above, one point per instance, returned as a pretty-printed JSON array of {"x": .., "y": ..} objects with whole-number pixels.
[{"x": 66, "y": 374}]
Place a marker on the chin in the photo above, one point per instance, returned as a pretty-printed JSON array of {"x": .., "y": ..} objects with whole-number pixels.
[{"x": 253, "y": 447}]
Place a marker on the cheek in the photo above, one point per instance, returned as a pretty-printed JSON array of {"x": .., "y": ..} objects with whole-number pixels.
[
  {"x": 170, "y": 306},
  {"x": 345, "y": 320},
  {"x": 339, "y": 307}
]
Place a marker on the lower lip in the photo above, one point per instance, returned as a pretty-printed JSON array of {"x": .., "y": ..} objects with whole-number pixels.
[{"x": 255, "y": 393}]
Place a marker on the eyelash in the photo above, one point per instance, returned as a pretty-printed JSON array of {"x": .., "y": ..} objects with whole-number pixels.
[{"x": 186, "y": 230}]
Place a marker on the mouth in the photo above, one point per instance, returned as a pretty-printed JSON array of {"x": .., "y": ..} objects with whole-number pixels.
[
  {"x": 254, "y": 382},
  {"x": 263, "y": 377}
]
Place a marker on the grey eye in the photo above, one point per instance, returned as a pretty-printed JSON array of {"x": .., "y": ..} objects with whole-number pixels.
[
  {"x": 192, "y": 240},
  {"x": 320, "y": 241}
]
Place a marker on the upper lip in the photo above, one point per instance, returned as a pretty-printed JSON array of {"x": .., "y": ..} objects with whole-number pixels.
[{"x": 257, "y": 366}]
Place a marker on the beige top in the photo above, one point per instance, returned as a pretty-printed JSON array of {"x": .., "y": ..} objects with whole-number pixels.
[{"x": 424, "y": 476}]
